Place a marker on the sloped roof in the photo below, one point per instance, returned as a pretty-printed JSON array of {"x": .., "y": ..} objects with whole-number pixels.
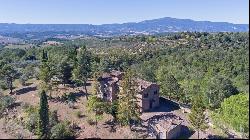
[
  {"x": 169, "y": 123},
  {"x": 107, "y": 78},
  {"x": 112, "y": 77},
  {"x": 142, "y": 84}
]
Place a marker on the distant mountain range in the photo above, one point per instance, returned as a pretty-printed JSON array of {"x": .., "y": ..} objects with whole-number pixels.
[{"x": 154, "y": 26}]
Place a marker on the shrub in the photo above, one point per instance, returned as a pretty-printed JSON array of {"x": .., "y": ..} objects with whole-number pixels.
[
  {"x": 78, "y": 114},
  {"x": 53, "y": 118},
  {"x": 31, "y": 109},
  {"x": 71, "y": 97},
  {"x": 3, "y": 86},
  {"x": 19, "y": 136},
  {"x": 32, "y": 117},
  {"x": 23, "y": 80},
  {"x": 68, "y": 97},
  {"x": 5, "y": 102},
  {"x": 31, "y": 122},
  {"x": 62, "y": 130},
  {"x": 25, "y": 105},
  {"x": 78, "y": 83},
  {"x": 64, "y": 97},
  {"x": 71, "y": 105},
  {"x": 91, "y": 122}
]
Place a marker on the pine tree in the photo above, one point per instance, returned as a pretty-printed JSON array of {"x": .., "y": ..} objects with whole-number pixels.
[
  {"x": 128, "y": 108},
  {"x": 9, "y": 73},
  {"x": 95, "y": 103},
  {"x": 197, "y": 116},
  {"x": 169, "y": 85},
  {"x": 45, "y": 72},
  {"x": 112, "y": 108},
  {"x": 45, "y": 75},
  {"x": 65, "y": 71},
  {"x": 43, "y": 122},
  {"x": 82, "y": 70}
]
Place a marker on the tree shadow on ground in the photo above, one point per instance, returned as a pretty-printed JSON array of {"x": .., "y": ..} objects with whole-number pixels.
[
  {"x": 186, "y": 132},
  {"x": 79, "y": 94},
  {"x": 25, "y": 90},
  {"x": 111, "y": 124},
  {"x": 71, "y": 97},
  {"x": 165, "y": 105},
  {"x": 88, "y": 84},
  {"x": 210, "y": 136},
  {"x": 82, "y": 116},
  {"x": 16, "y": 104},
  {"x": 142, "y": 130},
  {"x": 157, "y": 118}
]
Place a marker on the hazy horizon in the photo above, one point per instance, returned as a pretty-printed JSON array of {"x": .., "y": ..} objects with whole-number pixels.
[
  {"x": 99, "y": 12},
  {"x": 119, "y": 23}
]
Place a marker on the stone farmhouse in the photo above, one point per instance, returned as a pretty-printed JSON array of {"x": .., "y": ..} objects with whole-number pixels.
[
  {"x": 168, "y": 127},
  {"x": 148, "y": 97}
]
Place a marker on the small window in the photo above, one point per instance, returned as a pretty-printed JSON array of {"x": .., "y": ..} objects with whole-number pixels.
[
  {"x": 155, "y": 92},
  {"x": 146, "y": 95}
]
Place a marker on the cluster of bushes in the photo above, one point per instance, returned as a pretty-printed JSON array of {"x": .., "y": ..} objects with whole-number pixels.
[
  {"x": 13, "y": 128},
  {"x": 5, "y": 102},
  {"x": 235, "y": 112},
  {"x": 68, "y": 97},
  {"x": 58, "y": 130}
]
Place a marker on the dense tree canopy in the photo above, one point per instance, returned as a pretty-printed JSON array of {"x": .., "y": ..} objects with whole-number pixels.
[{"x": 234, "y": 112}]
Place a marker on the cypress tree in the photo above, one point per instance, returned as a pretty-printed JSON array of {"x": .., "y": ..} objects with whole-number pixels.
[
  {"x": 43, "y": 122},
  {"x": 128, "y": 109},
  {"x": 197, "y": 116},
  {"x": 44, "y": 56},
  {"x": 95, "y": 103}
]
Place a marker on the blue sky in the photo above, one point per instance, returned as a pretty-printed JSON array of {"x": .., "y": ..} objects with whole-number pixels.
[{"x": 120, "y": 11}]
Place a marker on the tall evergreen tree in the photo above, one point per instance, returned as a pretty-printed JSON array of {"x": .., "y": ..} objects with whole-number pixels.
[
  {"x": 197, "y": 116},
  {"x": 82, "y": 69},
  {"x": 112, "y": 109},
  {"x": 128, "y": 108},
  {"x": 65, "y": 71},
  {"x": 45, "y": 74},
  {"x": 169, "y": 85},
  {"x": 95, "y": 103},
  {"x": 43, "y": 122},
  {"x": 44, "y": 56}
]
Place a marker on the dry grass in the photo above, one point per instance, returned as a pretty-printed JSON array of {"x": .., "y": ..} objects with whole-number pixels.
[{"x": 67, "y": 113}]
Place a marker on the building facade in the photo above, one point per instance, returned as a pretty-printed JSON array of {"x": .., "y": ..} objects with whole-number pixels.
[{"x": 148, "y": 92}]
